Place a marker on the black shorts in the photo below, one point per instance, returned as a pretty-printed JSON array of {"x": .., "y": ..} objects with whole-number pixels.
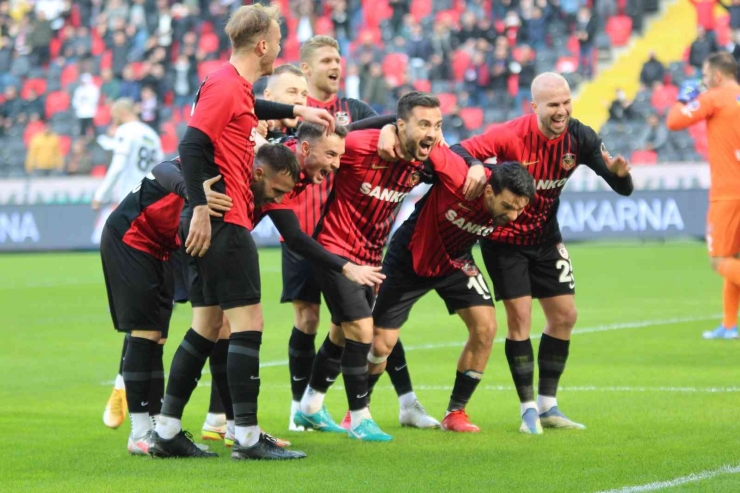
[
  {"x": 346, "y": 300},
  {"x": 140, "y": 286},
  {"x": 299, "y": 281},
  {"x": 179, "y": 266},
  {"x": 402, "y": 288},
  {"x": 541, "y": 271},
  {"x": 228, "y": 275}
]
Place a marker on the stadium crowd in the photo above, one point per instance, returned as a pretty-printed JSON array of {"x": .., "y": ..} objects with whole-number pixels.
[{"x": 63, "y": 63}]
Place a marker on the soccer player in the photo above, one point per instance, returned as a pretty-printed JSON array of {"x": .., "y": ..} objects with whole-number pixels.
[
  {"x": 719, "y": 106},
  {"x": 286, "y": 85},
  {"x": 220, "y": 140},
  {"x": 137, "y": 241},
  {"x": 367, "y": 195},
  {"x": 432, "y": 250},
  {"x": 527, "y": 258},
  {"x": 321, "y": 65},
  {"x": 136, "y": 150}
]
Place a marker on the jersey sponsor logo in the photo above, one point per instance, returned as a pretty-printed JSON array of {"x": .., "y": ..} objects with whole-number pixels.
[
  {"x": 551, "y": 184},
  {"x": 569, "y": 161},
  {"x": 562, "y": 250},
  {"x": 342, "y": 118},
  {"x": 529, "y": 163},
  {"x": 467, "y": 226},
  {"x": 384, "y": 194},
  {"x": 253, "y": 135},
  {"x": 491, "y": 160},
  {"x": 414, "y": 179}
]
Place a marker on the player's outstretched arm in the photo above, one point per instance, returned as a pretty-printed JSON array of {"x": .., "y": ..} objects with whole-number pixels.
[
  {"x": 691, "y": 107},
  {"x": 614, "y": 170},
  {"x": 287, "y": 225},
  {"x": 373, "y": 122}
]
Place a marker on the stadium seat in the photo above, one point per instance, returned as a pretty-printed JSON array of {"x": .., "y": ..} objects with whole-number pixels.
[
  {"x": 472, "y": 118},
  {"x": 206, "y": 27},
  {"x": 208, "y": 43},
  {"x": 451, "y": 16},
  {"x": 38, "y": 85},
  {"x": 420, "y": 9},
  {"x": 375, "y": 11},
  {"x": 99, "y": 171},
  {"x": 55, "y": 46},
  {"x": 664, "y": 97},
  {"x": 291, "y": 48},
  {"x": 102, "y": 116},
  {"x": 106, "y": 60},
  {"x": 447, "y": 101},
  {"x": 205, "y": 68},
  {"x": 98, "y": 45},
  {"x": 423, "y": 85},
  {"x": 55, "y": 102},
  {"x": 70, "y": 74},
  {"x": 323, "y": 26},
  {"x": 619, "y": 29},
  {"x": 169, "y": 143},
  {"x": 644, "y": 157},
  {"x": 566, "y": 65},
  {"x": 395, "y": 64},
  {"x": 460, "y": 62},
  {"x": 31, "y": 130},
  {"x": 65, "y": 143}
]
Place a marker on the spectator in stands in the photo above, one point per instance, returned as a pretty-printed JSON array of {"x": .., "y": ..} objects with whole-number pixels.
[
  {"x": 500, "y": 66},
  {"x": 111, "y": 87},
  {"x": 149, "y": 107},
  {"x": 182, "y": 81},
  {"x": 437, "y": 68},
  {"x": 12, "y": 106},
  {"x": 54, "y": 11},
  {"x": 477, "y": 78},
  {"x": 586, "y": 33},
  {"x": 734, "y": 47},
  {"x": 342, "y": 25},
  {"x": 569, "y": 8},
  {"x": 733, "y": 7},
  {"x": 468, "y": 29},
  {"x": 636, "y": 11},
  {"x": 652, "y": 71},
  {"x": 453, "y": 127},
  {"x": 400, "y": 9},
  {"x": 44, "y": 157},
  {"x": 352, "y": 82},
  {"x": 120, "y": 50},
  {"x": 499, "y": 8},
  {"x": 526, "y": 68},
  {"x": 705, "y": 13},
  {"x": 305, "y": 14},
  {"x": 701, "y": 48},
  {"x": 33, "y": 104},
  {"x": 419, "y": 50},
  {"x": 620, "y": 109},
  {"x": 164, "y": 24},
  {"x": 367, "y": 46},
  {"x": 486, "y": 29},
  {"x": 6, "y": 58},
  {"x": 79, "y": 159},
  {"x": 41, "y": 37},
  {"x": 655, "y": 136},
  {"x": 117, "y": 11},
  {"x": 536, "y": 28},
  {"x": 85, "y": 103},
  {"x": 375, "y": 88},
  {"x": 130, "y": 87},
  {"x": 605, "y": 9},
  {"x": 441, "y": 41}
]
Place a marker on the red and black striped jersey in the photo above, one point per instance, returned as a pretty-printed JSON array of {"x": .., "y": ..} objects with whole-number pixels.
[
  {"x": 309, "y": 206},
  {"x": 443, "y": 228},
  {"x": 549, "y": 161},
  {"x": 148, "y": 218},
  {"x": 367, "y": 196}
]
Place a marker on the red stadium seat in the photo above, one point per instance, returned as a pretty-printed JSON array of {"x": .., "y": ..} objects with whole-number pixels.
[
  {"x": 138, "y": 68},
  {"x": 472, "y": 118},
  {"x": 31, "y": 130},
  {"x": 447, "y": 101},
  {"x": 566, "y": 65},
  {"x": 644, "y": 157},
  {"x": 420, "y": 9},
  {"x": 460, "y": 63},
  {"x": 169, "y": 143},
  {"x": 65, "y": 142},
  {"x": 99, "y": 171},
  {"x": 102, "y": 116},
  {"x": 70, "y": 74},
  {"x": 619, "y": 29},
  {"x": 206, "y": 28},
  {"x": 323, "y": 26},
  {"x": 106, "y": 60},
  {"x": 291, "y": 48},
  {"x": 423, "y": 85},
  {"x": 395, "y": 64},
  {"x": 375, "y": 11},
  {"x": 512, "y": 84},
  {"x": 663, "y": 97},
  {"x": 573, "y": 45},
  {"x": 98, "y": 45},
  {"x": 55, "y": 46},
  {"x": 723, "y": 31},
  {"x": 451, "y": 16},
  {"x": 38, "y": 85},
  {"x": 56, "y": 102},
  {"x": 208, "y": 43},
  {"x": 205, "y": 68}
]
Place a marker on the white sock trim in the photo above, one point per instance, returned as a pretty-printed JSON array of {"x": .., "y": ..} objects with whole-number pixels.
[{"x": 545, "y": 403}]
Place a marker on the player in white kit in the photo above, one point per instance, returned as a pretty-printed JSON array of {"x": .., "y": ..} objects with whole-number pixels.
[{"x": 136, "y": 150}]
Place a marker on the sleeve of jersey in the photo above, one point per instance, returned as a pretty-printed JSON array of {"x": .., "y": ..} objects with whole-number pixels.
[
  {"x": 168, "y": 175},
  {"x": 214, "y": 110},
  {"x": 287, "y": 224},
  {"x": 498, "y": 141},
  {"x": 359, "y": 144},
  {"x": 682, "y": 115},
  {"x": 372, "y": 122},
  {"x": 117, "y": 166},
  {"x": 194, "y": 148},
  {"x": 364, "y": 110},
  {"x": 269, "y": 110},
  {"x": 450, "y": 168},
  {"x": 595, "y": 161}
]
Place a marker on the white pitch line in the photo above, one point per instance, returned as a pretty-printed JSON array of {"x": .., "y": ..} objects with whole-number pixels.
[
  {"x": 585, "y": 330},
  {"x": 672, "y": 483}
]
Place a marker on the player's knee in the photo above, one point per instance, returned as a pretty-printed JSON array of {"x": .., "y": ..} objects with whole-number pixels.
[
  {"x": 565, "y": 319},
  {"x": 483, "y": 333},
  {"x": 307, "y": 318},
  {"x": 382, "y": 346}
]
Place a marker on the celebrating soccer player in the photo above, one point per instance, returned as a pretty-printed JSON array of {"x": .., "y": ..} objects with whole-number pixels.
[
  {"x": 527, "y": 258},
  {"x": 720, "y": 107},
  {"x": 432, "y": 250}
]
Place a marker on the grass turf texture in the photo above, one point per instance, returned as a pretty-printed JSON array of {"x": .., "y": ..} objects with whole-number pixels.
[{"x": 59, "y": 354}]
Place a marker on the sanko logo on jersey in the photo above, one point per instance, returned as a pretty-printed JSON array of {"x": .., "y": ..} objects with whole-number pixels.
[
  {"x": 384, "y": 194},
  {"x": 551, "y": 184},
  {"x": 465, "y": 225}
]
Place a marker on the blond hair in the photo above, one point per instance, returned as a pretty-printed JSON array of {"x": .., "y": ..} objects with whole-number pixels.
[
  {"x": 249, "y": 23},
  {"x": 123, "y": 105},
  {"x": 309, "y": 47}
]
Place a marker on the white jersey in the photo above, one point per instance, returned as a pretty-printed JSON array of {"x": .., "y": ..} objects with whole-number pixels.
[{"x": 136, "y": 150}]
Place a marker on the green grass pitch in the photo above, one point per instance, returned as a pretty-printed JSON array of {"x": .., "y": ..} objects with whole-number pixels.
[{"x": 660, "y": 403}]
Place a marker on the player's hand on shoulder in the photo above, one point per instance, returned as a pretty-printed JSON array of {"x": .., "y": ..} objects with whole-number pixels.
[
  {"x": 217, "y": 202},
  {"x": 617, "y": 165},
  {"x": 263, "y": 127},
  {"x": 475, "y": 182},
  {"x": 389, "y": 145},
  {"x": 363, "y": 275},
  {"x": 199, "y": 237},
  {"x": 318, "y": 116}
]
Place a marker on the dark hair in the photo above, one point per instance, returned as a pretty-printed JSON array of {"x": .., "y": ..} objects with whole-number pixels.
[
  {"x": 514, "y": 177},
  {"x": 312, "y": 132},
  {"x": 411, "y": 100},
  {"x": 724, "y": 62},
  {"x": 279, "y": 159}
]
